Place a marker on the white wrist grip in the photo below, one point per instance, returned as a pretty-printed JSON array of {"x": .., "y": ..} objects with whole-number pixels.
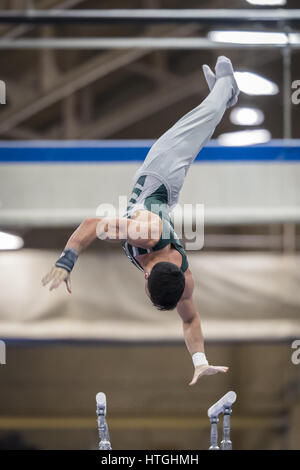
[{"x": 199, "y": 359}]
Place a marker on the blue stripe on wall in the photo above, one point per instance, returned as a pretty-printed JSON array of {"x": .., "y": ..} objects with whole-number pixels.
[{"x": 136, "y": 151}]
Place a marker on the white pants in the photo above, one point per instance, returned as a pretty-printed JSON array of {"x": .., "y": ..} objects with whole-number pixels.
[{"x": 172, "y": 154}]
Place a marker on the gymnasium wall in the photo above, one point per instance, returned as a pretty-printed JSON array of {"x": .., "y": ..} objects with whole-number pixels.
[
  {"x": 239, "y": 297},
  {"x": 47, "y": 396},
  {"x": 62, "y": 183}
]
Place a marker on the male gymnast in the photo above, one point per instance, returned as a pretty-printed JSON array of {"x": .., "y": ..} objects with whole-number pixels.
[{"x": 146, "y": 232}]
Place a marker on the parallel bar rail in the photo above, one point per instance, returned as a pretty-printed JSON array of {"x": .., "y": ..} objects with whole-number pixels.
[
  {"x": 224, "y": 402},
  {"x": 221, "y": 406}
]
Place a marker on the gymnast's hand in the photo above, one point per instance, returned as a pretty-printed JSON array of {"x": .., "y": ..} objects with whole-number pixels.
[
  {"x": 207, "y": 370},
  {"x": 56, "y": 276}
]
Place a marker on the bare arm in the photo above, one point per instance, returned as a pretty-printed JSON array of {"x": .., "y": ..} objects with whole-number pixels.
[
  {"x": 192, "y": 331},
  {"x": 83, "y": 236},
  {"x": 141, "y": 233},
  {"x": 138, "y": 233}
]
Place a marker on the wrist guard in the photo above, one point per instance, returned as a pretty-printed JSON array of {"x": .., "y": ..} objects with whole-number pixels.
[
  {"x": 67, "y": 259},
  {"x": 199, "y": 359}
]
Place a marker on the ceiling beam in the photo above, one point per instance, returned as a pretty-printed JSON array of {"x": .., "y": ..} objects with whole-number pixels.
[
  {"x": 78, "y": 78},
  {"x": 110, "y": 124},
  {"x": 156, "y": 74},
  {"x": 212, "y": 16},
  {"x": 146, "y": 43},
  {"x": 24, "y": 28},
  {"x": 22, "y": 133}
]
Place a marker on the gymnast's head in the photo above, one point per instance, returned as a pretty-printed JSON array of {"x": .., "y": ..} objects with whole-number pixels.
[{"x": 165, "y": 285}]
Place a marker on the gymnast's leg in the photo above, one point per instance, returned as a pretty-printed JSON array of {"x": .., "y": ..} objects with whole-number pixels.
[
  {"x": 183, "y": 141},
  {"x": 172, "y": 154}
]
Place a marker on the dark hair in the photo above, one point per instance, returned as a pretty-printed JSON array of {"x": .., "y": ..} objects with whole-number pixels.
[{"x": 166, "y": 284}]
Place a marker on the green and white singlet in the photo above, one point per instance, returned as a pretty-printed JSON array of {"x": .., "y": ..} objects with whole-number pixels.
[{"x": 156, "y": 202}]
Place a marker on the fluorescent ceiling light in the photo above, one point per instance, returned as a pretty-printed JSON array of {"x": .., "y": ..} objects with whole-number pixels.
[
  {"x": 277, "y": 3},
  {"x": 249, "y": 37},
  {"x": 294, "y": 38},
  {"x": 249, "y": 137},
  {"x": 247, "y": 116},
  {"x": 10, "y": 242},
  {"x": 254, "y": 84}
]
